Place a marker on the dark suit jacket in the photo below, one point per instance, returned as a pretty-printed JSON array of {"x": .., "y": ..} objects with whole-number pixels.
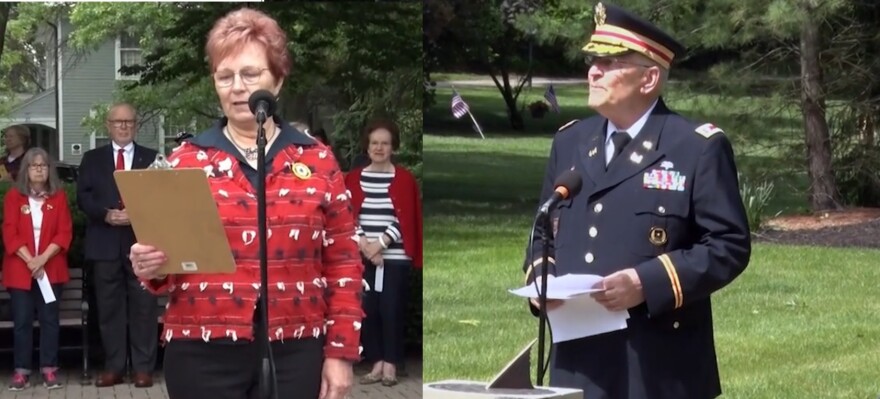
[
  {"x": 668, "y": 206},
  {"x": 96, "y": 192}
]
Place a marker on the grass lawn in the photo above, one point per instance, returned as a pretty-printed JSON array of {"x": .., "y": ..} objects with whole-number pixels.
[
  {"x": 763, "y": 132},
  {"x": 799, "y": 323}
]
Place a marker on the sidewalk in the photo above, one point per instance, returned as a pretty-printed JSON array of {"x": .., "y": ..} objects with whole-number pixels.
[
  {"x": 536, "y": 81},
  {"x": 410, "y": 387}
]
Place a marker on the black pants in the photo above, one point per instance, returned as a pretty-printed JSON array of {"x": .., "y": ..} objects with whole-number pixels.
[
  {"x": 226, "y": 370},
  {"x": 383, "y": 330},
  {"x": 123, "y": 303}
]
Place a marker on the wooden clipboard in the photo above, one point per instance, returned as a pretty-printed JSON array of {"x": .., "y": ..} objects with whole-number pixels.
[{"x": 174, "y": 211}]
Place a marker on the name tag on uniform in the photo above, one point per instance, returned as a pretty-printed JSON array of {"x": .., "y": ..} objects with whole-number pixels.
[{"x": 660, "y": 179}]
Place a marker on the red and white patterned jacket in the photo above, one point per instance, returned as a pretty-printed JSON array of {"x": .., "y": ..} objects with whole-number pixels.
[{"x": 315, "y": 270}]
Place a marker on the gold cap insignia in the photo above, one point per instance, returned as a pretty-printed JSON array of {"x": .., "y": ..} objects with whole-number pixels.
[
  {"x": 658, "y": 236},
  {"x": 301, "y": 170},
  {"x": 599, "y": 17},
  {"x": 25, "y": 209}
]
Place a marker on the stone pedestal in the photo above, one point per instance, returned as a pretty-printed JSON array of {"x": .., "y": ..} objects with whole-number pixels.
[
  {"x": 455, "y": 389},
  {"x": 513, "y": 382}
]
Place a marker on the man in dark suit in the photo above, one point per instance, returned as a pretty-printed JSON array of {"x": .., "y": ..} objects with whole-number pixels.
[
  {"x": 125, "y": 309},
  {"x": 659, "y": 217}
]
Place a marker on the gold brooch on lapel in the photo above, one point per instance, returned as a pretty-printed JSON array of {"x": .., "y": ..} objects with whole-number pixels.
[
  {"x": 658, "y": 236},
  {"x": 25, "y": 209},
  {"x": 301, "y": 170}
]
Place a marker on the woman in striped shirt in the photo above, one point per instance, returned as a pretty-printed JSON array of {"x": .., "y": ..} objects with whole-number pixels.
[{"x": 387, "y": 205}]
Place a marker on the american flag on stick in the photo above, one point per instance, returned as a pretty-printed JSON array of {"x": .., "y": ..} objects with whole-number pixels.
[
  {"x": 550, "y": 95},
  {"x": 460, "y": 108}
]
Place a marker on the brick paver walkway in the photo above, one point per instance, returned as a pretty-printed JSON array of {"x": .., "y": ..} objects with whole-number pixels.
[{"x": 410, "y": 387}]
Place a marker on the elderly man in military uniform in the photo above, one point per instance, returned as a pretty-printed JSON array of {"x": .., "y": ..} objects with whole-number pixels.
[{"x": 659, "y": 216}]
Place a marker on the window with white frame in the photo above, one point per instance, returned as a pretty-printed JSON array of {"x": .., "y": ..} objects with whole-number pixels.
[
  {"x": 128, "y": 53},
  {"x": 99, "y": 137}
]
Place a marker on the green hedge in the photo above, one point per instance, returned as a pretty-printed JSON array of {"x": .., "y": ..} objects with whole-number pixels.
[{"x": 76, "y": 259}]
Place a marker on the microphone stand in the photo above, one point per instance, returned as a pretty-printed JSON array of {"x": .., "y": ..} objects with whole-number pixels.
[
  {"x": 268, "y": 387},
  {"x": 542, "y": 294}
]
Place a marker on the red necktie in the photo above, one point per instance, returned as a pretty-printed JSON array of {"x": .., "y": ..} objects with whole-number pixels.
[
  {"x": 120, "y": 165},
  {"x": 120, "y": 159}
]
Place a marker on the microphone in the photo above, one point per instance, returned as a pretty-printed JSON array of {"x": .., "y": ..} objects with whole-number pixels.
[
  {"x": 567, "y": 185},
  {"x": 262, "y": 104}
]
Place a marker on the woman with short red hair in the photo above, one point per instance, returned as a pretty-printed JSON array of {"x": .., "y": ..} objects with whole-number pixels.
[{"x": 315, "y": 276}]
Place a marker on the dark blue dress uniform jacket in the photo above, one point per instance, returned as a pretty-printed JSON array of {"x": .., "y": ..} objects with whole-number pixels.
[{"x": 668, "y": 206}]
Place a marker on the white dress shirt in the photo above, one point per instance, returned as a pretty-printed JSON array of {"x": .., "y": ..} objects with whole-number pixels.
[
  {"x": 36, "y": 206},
  {"x": 632, "y": 131},
  {"x": 127, "y": 154}
]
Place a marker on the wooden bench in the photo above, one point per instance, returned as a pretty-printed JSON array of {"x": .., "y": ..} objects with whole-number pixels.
[{"x": 73, "y": 310}]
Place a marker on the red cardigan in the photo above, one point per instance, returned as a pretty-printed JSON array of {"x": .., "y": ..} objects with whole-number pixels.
[
  {"x": 18, "y": 231},
  {"x": 315, "y": 273},
  {"x": 407, "y": 201}
]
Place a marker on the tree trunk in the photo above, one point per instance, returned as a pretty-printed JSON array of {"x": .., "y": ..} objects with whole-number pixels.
[
  {"x": 5, "y": 9},
  {"x": 516, "y": 119},
  {"x": 823, "y": 190},
  {"x": 509, "y": 94},
  {"x": 866, "y": 127}
]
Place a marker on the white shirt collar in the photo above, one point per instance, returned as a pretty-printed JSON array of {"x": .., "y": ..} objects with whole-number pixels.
[
  {"x": 635, "y": 128},
  {"x": 127, "y": 149}
]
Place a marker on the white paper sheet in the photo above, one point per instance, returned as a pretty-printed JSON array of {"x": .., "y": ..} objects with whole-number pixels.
[
  {"x": 46, "y": 288},
  {"x": 380, "y": 279},
  {"x": 562, "y": 287},
  {"x": 580, "y": 315}
]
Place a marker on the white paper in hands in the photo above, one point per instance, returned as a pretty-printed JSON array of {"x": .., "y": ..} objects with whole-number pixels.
[
  {"x": 579, "y": 315},
  {"x": 563, "y": 287},
  {"x": 46, "y": 288}
]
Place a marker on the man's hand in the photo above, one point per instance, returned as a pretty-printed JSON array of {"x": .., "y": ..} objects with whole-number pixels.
[
  {"x": 116, "y": 217},
  {"x": 551, "y": 303},
  {"x": 623, "y": 290},
  {"x": 110, "y": 217},
  {"x": 122, "y": 218}
]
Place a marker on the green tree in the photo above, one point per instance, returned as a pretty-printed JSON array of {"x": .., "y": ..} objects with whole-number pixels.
[
  {"x": 768, "y": 37},
  {"x": 480, "y": 36},
  {"x": 23, "y": 49},
  {"x": 360, "y": 58}
]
